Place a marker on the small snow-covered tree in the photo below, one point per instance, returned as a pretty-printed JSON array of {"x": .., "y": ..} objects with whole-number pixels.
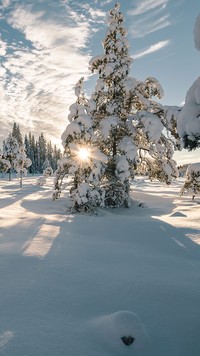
[
  {"x": 10, "y": 152},
  {"x": 192, "y": 180},
  {"x": 47, "y": 169},
  {"x": 4, "y": 164},
  {"x": 21, "y": 163},
  {"x": 14, "y": 157}
]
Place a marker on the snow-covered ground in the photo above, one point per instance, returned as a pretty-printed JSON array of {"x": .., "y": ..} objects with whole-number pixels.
[{"x": 75, "y": 284}]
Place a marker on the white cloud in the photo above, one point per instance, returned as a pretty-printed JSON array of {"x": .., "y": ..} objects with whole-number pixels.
[
  {"x": 40, "y": 70},
  {"x": 147, "y": 5},
  {"x": 153, "y": 48},
  {"x": 152, "y": 15},
  {"x": 5, "y": 3},
  {"x": 103, "y": 3},
  {"x": 3, "y": 48}
]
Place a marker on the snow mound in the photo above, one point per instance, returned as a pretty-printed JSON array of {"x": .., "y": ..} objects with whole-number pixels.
[
  {"x": 109, "y": 329},
  {"x": 178, "y": 213}
]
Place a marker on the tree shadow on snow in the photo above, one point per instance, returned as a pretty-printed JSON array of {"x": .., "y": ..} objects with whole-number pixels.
[{"x": 19, "y": 193}]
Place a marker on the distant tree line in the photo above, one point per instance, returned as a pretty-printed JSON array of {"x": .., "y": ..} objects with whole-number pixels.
[{"x": 40, "y": 153}]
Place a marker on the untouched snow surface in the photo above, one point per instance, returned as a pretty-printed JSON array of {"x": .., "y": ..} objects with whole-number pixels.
[{"x": 75, "y": 284}]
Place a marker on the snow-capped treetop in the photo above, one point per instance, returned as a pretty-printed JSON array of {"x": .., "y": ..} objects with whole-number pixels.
[
  {"x": 115, "y": 62},
  {"x": 197, "y": 33},
  {"x": 10, "y": 147},
  {"x": 115, "y": 18}
]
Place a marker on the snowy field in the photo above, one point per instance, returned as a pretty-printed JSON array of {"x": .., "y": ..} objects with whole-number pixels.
[{"x": 73, "y": 285}]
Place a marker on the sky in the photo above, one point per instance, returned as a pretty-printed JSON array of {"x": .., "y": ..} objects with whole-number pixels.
[{"x": 46, "y": 46}]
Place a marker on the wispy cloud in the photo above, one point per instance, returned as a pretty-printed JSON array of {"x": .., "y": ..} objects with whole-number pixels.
[
  {"x": 3, "y": 48},
  {"x": 153, "y": 48},
  {"x": 149, "y": 16},
  {"x": 41, "y": 63},
  {"x": 5, "y": 3},
  {"x": 104, "y": 2},
  {"x": 147, "y": 5}
]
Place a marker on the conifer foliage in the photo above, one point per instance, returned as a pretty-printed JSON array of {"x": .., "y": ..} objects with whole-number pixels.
[
  {"x": 120, "y": 127},
  {"x": 14, "y": 156},
  {"x": 83, "y": 160},
  {"x": 192, "y": 181},
  {"x": 28, "y": 155}
]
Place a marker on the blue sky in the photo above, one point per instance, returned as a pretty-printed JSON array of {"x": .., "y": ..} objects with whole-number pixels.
[{"x": 46, "y": 45}]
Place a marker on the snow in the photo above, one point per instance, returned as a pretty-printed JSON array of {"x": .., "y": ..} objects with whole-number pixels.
[
  {"x": 189, "y": 117},
  {"x": 107, "y": 125},
  {"x": 122, "y": 168},
  {"x": 74, "y": 284},
  {"x": 71, "y": 129},
  {"x": 127, "y": 146},
  {"x": 129, "y": 84},
  {"x": 193, "y": 167},
  {"x": 153, "y": 127}
]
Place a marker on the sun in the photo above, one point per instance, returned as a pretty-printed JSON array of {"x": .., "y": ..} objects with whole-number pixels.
[{"x": 84, "y": 153}]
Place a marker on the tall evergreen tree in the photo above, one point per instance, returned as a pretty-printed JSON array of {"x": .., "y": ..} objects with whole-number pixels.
[
  {"x": 17, "y": 134},
  {"x": 57, "y": 154},
  {"x": 27, "y": 145},
  {"x": 32, "y": 153},
  {"x": 50, "y": 153},
  {"x": 126, "y": 124},
  {"x": 42, "y": 151}
]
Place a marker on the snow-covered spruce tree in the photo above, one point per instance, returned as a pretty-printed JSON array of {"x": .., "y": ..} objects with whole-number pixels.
[
  {"x": 192, "y": 180},
  {"x": 128, "y": 124},
  {"x": 4, "y": 164},
  {"x": 47, "y": 169},
  {"x": 42, "y": 151},
  {"x": 21, "y": 163},
  {"x": 122, "y": 120},
  {"x": 15, "y": 158},
  {"x": 10, "y": 152},
  {"x": 82, "y": 160}
]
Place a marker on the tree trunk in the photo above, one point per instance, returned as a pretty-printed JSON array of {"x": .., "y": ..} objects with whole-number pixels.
[{"x": 21, "y": 179}]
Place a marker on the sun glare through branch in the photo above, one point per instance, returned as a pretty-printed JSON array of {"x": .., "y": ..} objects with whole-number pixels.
[{"x": 84, "y": 153}]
